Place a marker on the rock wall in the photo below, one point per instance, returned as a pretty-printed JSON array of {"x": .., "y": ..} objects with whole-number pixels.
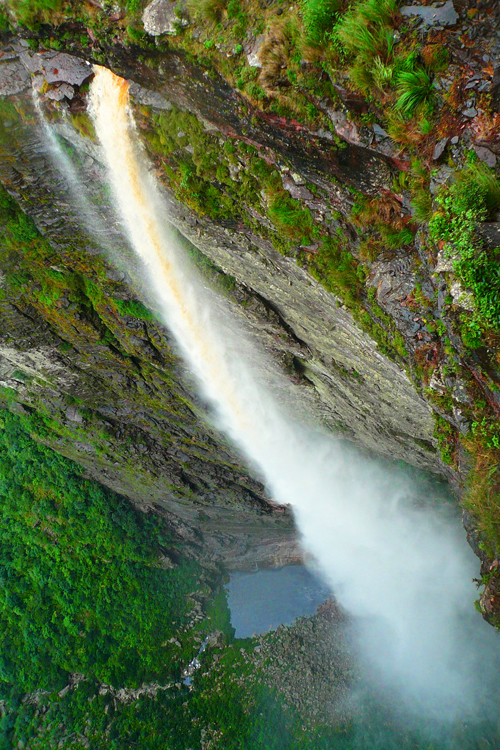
[{"x": 308, "y": 230}]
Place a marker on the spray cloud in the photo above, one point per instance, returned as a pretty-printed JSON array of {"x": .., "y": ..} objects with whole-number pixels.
[{"x": 404, "y": 572}]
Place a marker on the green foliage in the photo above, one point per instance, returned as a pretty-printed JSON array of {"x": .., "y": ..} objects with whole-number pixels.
[
  {"x": 4, "y": 21},
  {"x": 210, "y": 9},
  {"x": 29, "y": 12},
  {"x": 470, "y": 200},
  {"x": 414, "y": 89},
  {"x": 319, "y": 17},
  {"x": 488, "y": 432},
  {"x": 134, "y": 308},
  {"x": 445, "y": 434},
  {"x": 337, "y": 269},
  {"x": 289, "y": 216},
  {"x": 364, "y": 29},
  {"x": 82, "y": 590}
]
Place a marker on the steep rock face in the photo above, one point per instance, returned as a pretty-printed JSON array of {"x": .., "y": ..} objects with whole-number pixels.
[
  {"x": 342, "y": 376},
  {"x": 356, "y": 388},
  {"x": 112, "y": 393}
]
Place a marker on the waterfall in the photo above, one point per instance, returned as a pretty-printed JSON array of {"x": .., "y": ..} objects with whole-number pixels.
[{"x": 402, "y": 570}]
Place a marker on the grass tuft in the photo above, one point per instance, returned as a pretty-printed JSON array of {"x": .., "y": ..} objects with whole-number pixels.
[
  {"x": 319, "y": 17},
  {"x": 414, "y": 88}
]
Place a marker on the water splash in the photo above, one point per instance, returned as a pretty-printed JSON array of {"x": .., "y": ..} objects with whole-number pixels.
[{"x": 404, "y": 571}]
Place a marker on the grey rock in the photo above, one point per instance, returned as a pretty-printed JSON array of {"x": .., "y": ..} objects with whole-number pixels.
[
  {"x": 489, "y": 231},
  {"x": 252, "y": 51},
  {"x": 454, "y": 140},
  {"x": 161, "y": 17},
  {"x": 445, "y": 262},
  {"x": 432, "y": 15},
  {"x": 57, "y": 68},
  {"x": 73, "y": 414},
  {"x": 485, "y": 155},
  {"x": 461, "y": 297},
  {"x": 439, "y": 148},
  {"x": 14, "y": 78},
  {"x": 380, "y": 132},
  {"x": 443, "y": 176},
  {"x": 148, "y": 97},
  {"x": 64, "y": 91},
  {"x": 469, "y": 112}
]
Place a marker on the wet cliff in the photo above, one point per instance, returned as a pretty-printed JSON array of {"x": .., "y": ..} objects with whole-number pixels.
[{"x": 320, "y": 210}]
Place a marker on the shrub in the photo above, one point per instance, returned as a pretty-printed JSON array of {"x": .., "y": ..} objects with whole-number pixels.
[
  {"x": 421, "y": 202},
  {"x": 366, "y": 43},
  {"x": 421, "y": 198},
  {"x": 134, "y": 308},
  {"x": 288, "y": 215},
  {"x": 364, "y": 29},
  {"x": 275, "y": 54},
  {"x": 477, "y": 187}
]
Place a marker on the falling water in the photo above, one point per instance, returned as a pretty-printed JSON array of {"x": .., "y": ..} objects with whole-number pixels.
[{"x": 404, "y": 572}]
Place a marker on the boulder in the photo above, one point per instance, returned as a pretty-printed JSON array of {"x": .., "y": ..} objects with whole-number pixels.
[
  {"x": 162, "y": 17},
  {"x": 433, "y": 15},
  {"x": 58, "y": 67}
]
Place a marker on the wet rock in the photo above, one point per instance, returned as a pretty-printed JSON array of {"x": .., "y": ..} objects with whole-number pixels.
[
  {"x": 385, "y": 144},
  {"x": 14, "y": 77},
  {"x": 347, "y": 129},
  {"x": 163, "y": 17},
  {"x": 297, "y": 191},
  {"x": 495, "y": 89},
  {"x": 432, "y": 15},
  {"x": 470, "y": 112}
]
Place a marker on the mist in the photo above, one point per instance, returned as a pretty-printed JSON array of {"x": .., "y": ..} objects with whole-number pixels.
[{"x": 399, "y": 566}]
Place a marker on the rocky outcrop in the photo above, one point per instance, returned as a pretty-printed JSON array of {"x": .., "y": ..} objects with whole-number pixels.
[{"x": 128, "y": 433}]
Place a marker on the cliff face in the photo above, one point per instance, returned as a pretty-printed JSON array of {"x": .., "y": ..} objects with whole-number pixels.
[
  {"x": 302, "y": 210},
  {"x": 114, "y": 391}
]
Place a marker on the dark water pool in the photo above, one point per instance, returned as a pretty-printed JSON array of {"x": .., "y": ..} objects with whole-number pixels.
[{"x": 260, "y": 601}]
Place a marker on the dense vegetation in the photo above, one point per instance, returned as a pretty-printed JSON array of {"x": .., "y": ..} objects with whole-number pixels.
[{"x": 82, "y": 588}]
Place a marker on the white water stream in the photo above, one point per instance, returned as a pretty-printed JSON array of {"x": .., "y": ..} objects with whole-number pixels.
[{"x": 404, "y": 572}]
